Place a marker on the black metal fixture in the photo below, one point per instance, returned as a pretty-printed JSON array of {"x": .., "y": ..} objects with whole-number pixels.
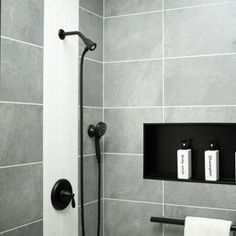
[
  {"x": 170, "y": 221},
  {"x": 62, "y": 194},
  {"x": 89, "y": 43},
  {"x": 97, "y": 132}
]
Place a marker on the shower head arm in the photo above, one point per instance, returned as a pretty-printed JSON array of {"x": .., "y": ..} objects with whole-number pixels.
[{"x": 88, "y": 43}]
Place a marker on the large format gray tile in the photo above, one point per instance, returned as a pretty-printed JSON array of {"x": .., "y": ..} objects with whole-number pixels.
[
  {"x": 133, "y": 84},
  {"x": 125, "y": 128},
  {"x": 133, "y": 37},
  {"x": 200, "y": 30},
  {"x": 21, "y": 134},
  {"x": 21, "y": 195},
  {"x": 90, "y": 212},
  {"x": 124, "y": 180},
  {"x": 200, "y": 114},
  {"x": 23, "y": 20},
  {"x": 93, "y": 83},
  {"x": 187, "y": 3},
  {"x": 21, "y": 72},
  {"x": 119, "y": 7},
  {"x": 179, "y": 212},
  {"x": 91, "y": 179},
  {"x": 206, "y": 195},
  {"x": 200, "y": 81},
  {"x": 35, "y": 229},
  {"x": 95, "y": 6},
  {"x": 133, "y": 219},
  {"x": 92, "y": 27},
  {"x": 91, "y": 116}
]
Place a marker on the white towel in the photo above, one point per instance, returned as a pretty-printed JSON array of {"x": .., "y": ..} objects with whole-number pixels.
[{"x": 196, "y": 226}]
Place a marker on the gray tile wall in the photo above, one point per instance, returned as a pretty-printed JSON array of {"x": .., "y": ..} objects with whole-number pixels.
[
  {"x": 164, "y": 61},
  {"x": 91, "y": 25},
  {"x": 21, "y": 124}
]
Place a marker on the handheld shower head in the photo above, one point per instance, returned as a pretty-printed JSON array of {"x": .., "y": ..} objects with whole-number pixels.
[
  {"x": 97, "y": 131},
  {"x": 88, "y": 43}
]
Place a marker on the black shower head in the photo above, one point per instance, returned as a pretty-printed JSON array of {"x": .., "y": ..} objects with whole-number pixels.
[
  {"x": 97, "y": 131},
  {"x": 89, "y": 44}
]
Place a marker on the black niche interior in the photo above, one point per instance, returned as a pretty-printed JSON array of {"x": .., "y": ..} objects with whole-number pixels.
[{"x": 161, "y": 142}]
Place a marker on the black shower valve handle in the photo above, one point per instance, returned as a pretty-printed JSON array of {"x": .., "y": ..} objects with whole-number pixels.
[{"x": 69, "y": 196}]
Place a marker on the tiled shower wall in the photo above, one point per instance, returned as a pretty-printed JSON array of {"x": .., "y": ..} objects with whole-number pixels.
[
  {"x": 21, "y": 108},
  {"x": 164, "y": 61}
]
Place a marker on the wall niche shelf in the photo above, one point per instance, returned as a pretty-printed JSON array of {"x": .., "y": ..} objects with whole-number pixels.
[{"x": 161, "y": 142}]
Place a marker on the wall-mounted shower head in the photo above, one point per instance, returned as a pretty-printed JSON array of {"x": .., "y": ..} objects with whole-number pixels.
[{"x": 89, "y": 44}]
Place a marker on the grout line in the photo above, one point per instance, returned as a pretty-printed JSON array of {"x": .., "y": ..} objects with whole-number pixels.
[
  {"x": 163, "y": 102},
  {"x": 173, "y": 57},
  {"x": 200, "y": 207},
  {"x": 21, "y": 226},
  {"x": 88, "y": 155},
  {"x": 174, "y": 106},
  {"x": 23, "y": 42},
  {"x": 134, "y": 107},
  {"x": 168, "y": 9},
  {"x": 103, "y": 115},
  {"x": 92, "y": 107},
  {"x": 199, "y": 6},
  {"x": 21, "y": 103},
  {"x": 123, "y": 154},
  {"x": 133, "y": 14},
  {"x": 169, "y": 204},
  {"x": 89, "y": 203},
  {"x": 133, "y": 201},
  {"x": 91, "y": 12},
  {"x": 20, "y": 165},
  {"x": 134, "y": 60},
  {"x": 93, "y": 60}
]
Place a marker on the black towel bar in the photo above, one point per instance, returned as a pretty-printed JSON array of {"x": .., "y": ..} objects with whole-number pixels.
[{"x": 170, "y": 221}]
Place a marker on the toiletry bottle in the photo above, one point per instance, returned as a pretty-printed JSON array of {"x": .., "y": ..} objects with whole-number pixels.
[
  {"x": 184, "y": 161},
  {"x": 212, "y": 162}
]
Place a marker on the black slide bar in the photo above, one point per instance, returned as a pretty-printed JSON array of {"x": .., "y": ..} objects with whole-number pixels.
[{"x": 170, "y": 221}]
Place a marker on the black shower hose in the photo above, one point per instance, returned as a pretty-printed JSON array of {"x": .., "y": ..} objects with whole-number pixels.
[{"x": 82, "y": 157}]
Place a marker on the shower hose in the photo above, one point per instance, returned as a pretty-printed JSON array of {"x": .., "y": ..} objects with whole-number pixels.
[{"x": 82, "y": 157}]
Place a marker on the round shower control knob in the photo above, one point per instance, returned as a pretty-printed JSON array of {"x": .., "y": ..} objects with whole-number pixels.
[{"x": 62, "y": 194}]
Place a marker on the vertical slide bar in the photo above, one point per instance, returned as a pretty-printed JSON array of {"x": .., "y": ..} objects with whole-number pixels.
[{"x": 60, "y": 123}]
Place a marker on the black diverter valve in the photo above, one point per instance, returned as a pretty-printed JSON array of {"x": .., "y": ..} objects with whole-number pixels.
[{"x": 62, "y": 194}]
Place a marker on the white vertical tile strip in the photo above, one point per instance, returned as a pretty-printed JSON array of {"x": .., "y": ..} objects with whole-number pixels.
[{"x": 60, "y": 138}]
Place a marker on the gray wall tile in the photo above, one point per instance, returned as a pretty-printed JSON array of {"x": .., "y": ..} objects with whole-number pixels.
[
  {"x": 195, "y": 194},
  {"x": 90, "y": 212},
  {"x": 133, "y": 84},
  {"x": 35, "y": 229},
  {"x": 93, "y": 83},
  {"x": 21, "y": 134},
  {"x": 91, "y": 116},
  {"x": 133, "y": 37},
  {"x": 124, "y": 180},
  {"x": 23, "y": 20},
  {"x": 21, "y": 72},
  {"x": 119, "y": 7},
  {"x": 125, "y": 128},
  {"x": 95, "y": 6},
  {"x": 133, "y": 219},
  {"x": 200, "y": 81},
  {"x": 181, "y": 212},
  {"x": 200, "y": 114},
  {"x": 92, "y": 27},
  {"x": 21, "y": 195},
  {"x": 91, "y": 179},
  {"x": 200, "y": 30},
  {"x": 187, "y": 3}
]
